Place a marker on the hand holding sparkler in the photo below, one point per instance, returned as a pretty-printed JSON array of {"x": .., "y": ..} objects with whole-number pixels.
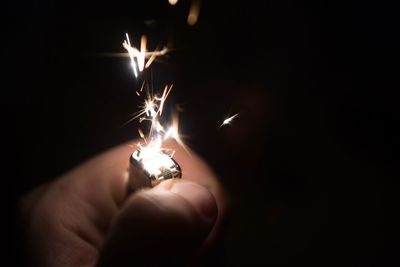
[{"x": 83, "y": 218}]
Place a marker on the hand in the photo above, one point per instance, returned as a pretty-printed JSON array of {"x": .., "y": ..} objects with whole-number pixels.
[{"x": 85, "y": 218}]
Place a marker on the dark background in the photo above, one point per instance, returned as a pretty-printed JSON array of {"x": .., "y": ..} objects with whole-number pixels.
[{"x": 311, "y": 163}]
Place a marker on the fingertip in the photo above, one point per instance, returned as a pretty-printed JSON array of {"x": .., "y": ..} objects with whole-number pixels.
[
  {"x": 173, "y": 216},
  {"x": 176, "y": 203},
  {"x": 175, "y": 198},
  {"x": 199, "y": 197}
]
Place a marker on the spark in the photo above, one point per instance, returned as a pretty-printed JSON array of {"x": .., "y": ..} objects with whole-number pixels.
[
  {"x": 229, "y": 120},
  {"x": 164, "y": 97},
  {"x": 138, "y": 56},
  {"x": 193, "y": 12},
  {"x": 151, "y": 152},
  {"x": 152, "y": 146},
  {"x": 173, "y": 132},
  {"x": 142, "y": 54},
  {"x": 152, "y": 149},
  {"x": 173, "y": 2},
  {"x": 132, "y": 53}
]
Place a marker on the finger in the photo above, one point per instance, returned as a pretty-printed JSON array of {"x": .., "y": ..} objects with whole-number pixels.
[
  {"x": 65, "y": 221},
  {"x": 197, "y": 170},
  {"x": 164, "y": 224}
]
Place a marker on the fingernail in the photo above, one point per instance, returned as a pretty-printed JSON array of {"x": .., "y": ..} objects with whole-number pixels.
[{"x": 202, "y": 200}]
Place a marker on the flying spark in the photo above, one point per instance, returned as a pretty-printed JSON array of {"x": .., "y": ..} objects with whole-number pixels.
[
  {"x": 152, "y": 145},
  {"x": 141, "y": 58},
  {"x": 194, "y": 12},
  {"x": 172, "y": 2},
  {"x": 229, "y": 120}
]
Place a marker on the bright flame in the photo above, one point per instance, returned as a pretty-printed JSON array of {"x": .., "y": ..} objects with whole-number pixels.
[{"x": 229, "y": 120}]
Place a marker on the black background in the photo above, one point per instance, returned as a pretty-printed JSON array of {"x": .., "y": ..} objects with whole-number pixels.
[{"x": 311, "y": 163}]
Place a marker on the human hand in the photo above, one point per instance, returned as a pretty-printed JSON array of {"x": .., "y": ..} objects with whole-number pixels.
[{"x": 85, "y": 218}]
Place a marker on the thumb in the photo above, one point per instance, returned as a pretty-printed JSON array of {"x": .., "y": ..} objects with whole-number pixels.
[{"x": 165, "y": 224}]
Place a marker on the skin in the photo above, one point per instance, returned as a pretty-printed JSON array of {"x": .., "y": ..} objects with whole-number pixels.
[{"x": 86, "y": 218}]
